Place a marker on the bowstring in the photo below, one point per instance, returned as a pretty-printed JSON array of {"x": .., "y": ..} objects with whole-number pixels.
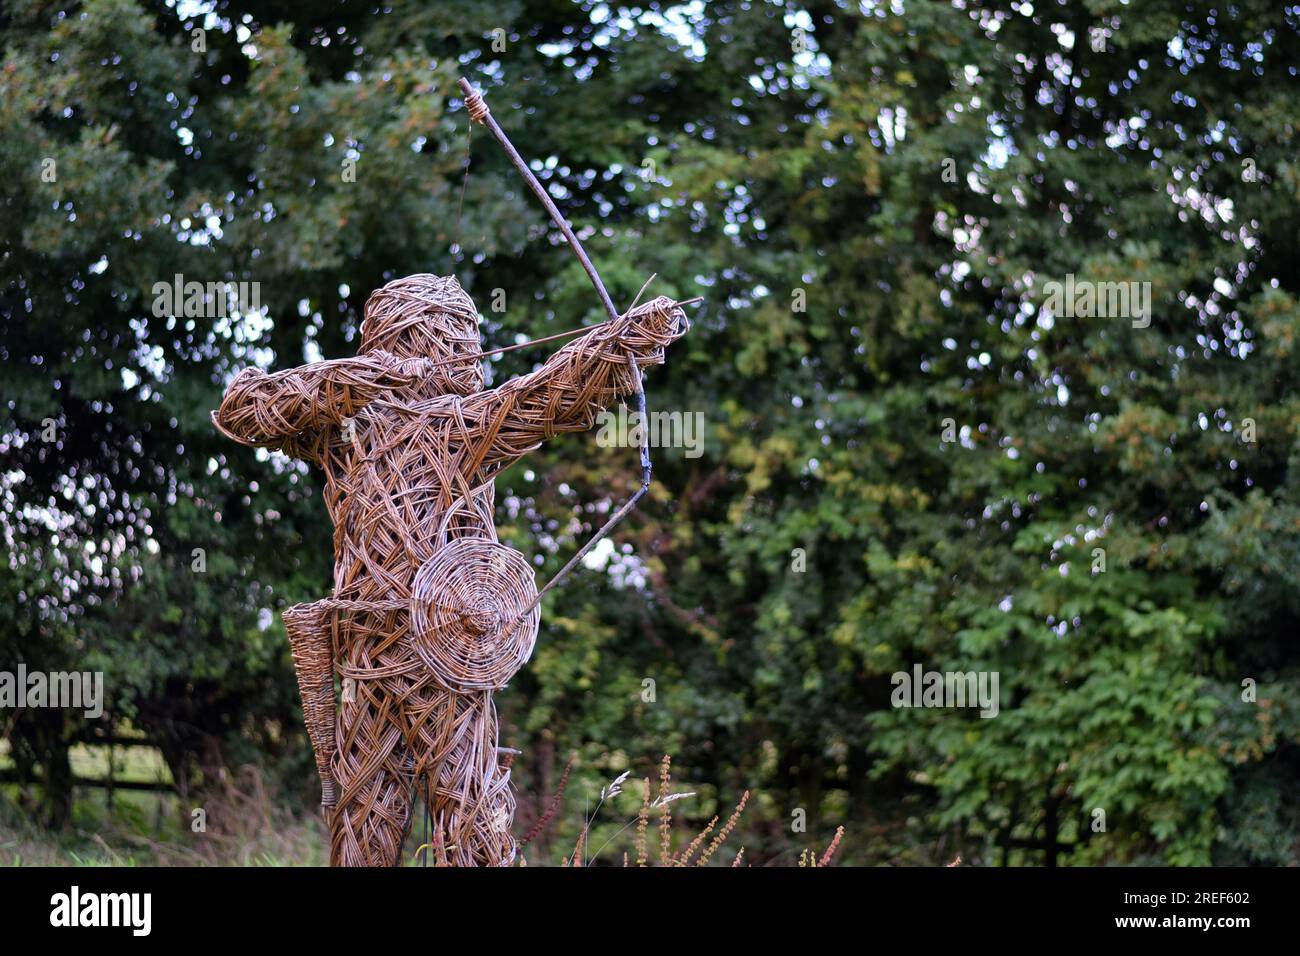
[{"x": 438, "y": 363}]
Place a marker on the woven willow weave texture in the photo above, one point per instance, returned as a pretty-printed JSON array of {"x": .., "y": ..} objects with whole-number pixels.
[{"x": 425, "y": 620}]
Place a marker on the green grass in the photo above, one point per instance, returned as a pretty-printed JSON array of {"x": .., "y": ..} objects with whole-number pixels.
[{"x": 135, "y": 828}]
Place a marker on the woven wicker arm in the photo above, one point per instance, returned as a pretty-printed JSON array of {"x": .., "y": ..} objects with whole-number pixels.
[
  {"x": 580, "y": 380},
  {"x": 279, "y": 409}
]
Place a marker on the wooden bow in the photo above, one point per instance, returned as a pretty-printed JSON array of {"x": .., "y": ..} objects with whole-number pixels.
[{"x": 479, "y": 113}]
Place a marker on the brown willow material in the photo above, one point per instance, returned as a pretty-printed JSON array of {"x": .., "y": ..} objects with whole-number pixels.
[{"x": 430, "y": 614}]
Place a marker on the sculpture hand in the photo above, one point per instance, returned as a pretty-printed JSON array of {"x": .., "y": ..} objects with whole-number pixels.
[
  {"x": 408, "y": 370},
  {"x": 416, "y": 368},
  {"x": 661, "y": 320}
]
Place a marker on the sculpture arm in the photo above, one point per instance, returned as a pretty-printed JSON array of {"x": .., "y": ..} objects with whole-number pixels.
[
  {"x": 275, "y": 409},
  {"x": 578, "y": 381}
]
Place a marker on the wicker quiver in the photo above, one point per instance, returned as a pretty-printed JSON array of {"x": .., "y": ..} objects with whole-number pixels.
[{"x": 308, "y": 626}]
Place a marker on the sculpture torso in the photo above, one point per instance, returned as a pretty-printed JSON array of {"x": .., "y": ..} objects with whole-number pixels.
[{"x": 392, "y": 473}]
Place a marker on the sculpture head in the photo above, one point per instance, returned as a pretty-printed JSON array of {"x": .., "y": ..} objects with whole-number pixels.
[{"x": 427, "y": 316}]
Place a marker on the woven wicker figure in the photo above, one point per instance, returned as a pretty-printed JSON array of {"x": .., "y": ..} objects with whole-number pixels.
[{"x": 425, "y": 621}]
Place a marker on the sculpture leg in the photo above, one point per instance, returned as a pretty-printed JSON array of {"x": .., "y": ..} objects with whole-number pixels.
[
  {"x": 373, "y": 771},
  {"x": 373, "y": 766},
  {"x": 454, "y": 739}
]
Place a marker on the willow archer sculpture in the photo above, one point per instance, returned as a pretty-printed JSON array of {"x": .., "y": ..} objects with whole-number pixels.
[{"x": 430, "y": 613}]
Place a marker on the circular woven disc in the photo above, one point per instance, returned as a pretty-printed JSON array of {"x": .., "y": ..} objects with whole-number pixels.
[{"x": 463, "y": 601}]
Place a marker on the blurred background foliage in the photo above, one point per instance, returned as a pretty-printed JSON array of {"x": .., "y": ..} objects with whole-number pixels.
[{"x": 914, "y": 172}]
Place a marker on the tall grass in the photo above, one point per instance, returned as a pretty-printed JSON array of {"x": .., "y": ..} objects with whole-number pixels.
[{"x": 239, "y": 822}]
